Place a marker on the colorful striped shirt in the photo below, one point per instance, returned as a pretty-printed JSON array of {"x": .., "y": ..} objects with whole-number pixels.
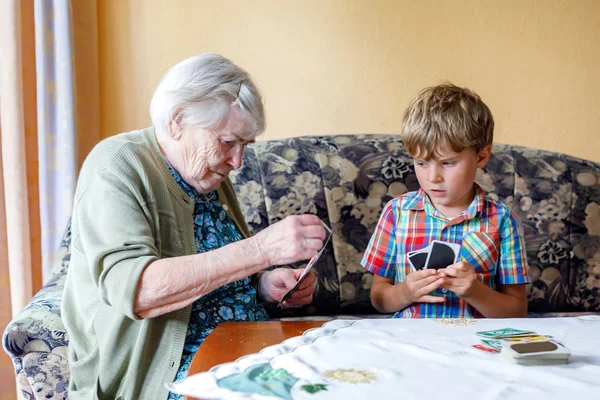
[{"x": 490, "y": 235}]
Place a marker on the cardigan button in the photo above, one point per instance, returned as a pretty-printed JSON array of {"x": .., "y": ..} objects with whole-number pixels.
[{"x": 225, "y": 207}]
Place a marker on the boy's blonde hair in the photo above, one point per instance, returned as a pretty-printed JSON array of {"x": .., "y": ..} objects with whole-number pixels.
[{"x": 446, "y": 116}]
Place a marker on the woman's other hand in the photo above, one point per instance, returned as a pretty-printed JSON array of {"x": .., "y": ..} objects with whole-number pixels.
[
  {"x": 295, "y": 238},
  {"x": 274, "y": 284}
]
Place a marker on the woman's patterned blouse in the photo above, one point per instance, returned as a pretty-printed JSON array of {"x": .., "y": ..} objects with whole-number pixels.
[{"x": 236, "y": 301}]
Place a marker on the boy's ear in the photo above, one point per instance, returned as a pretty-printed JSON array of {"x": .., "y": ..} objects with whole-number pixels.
[{"x": 483, "y": 156}]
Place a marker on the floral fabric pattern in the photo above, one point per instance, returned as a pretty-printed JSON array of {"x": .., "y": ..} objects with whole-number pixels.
[
  {"x": 346, "y": 180},
  {"x": 36, "y": 338}
]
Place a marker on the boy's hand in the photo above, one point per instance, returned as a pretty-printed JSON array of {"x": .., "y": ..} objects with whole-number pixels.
[
  {"x": 459, "y": 278},
  {"x": 420, "y": 283}
]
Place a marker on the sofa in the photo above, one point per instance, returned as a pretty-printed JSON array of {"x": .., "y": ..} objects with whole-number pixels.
[{"x": 346, "y": 180}]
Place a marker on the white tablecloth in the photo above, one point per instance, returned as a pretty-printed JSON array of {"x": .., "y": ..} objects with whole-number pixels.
[{"x": 407, "y": 359}]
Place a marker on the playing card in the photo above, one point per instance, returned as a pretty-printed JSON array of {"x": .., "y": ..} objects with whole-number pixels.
[
  {"x": 493, "y": 343},
  {"x": 417, "y": 258},
  {"x": 535, "y": 352},
  {"x": 486, "y": 348},
  {"x": 308, "y": 267},
  {"x": 442, "y": 254},
  {"x": 527, "y": 338},
  {"x": 505, "y": 333}
]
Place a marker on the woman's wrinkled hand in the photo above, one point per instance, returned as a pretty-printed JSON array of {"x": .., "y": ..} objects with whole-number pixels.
[
  {"x": 272, "y": 285},
  {"x": 295, "y": 238}
]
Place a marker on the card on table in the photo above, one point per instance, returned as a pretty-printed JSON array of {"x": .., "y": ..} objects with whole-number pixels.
[
  {"x": 493, "y": 343},
  {"x": 308, "y": 267},
  {"x": 488, "y": 349},
  {"x": 526, "y": 339},
  {"x": 537, "y": 348},
  {"x": 506, "y": 333},
  {"x": 536, "y": 353}
]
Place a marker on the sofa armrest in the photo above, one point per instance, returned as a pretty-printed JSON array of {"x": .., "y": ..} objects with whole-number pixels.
[
  {"x": 38, "y": 327},
  {"x": 43, "y": 375}
]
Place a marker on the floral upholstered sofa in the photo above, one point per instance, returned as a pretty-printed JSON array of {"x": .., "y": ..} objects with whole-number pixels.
[{"x": 346, "y": 180}]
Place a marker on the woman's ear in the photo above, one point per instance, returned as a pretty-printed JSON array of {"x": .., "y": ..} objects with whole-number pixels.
[
  {"x": 484, "y": 156},
  {"x": 176, "y": 125}
]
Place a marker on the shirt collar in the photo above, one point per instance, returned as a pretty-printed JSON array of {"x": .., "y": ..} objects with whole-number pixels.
[
  {"x": 420, "y": 201},
  {"x": 478, "y": 204},
  {"x": 417, "y": 202}
]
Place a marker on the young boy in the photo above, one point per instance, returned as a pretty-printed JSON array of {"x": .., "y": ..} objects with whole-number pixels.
[{"x": 449, "y": 132}]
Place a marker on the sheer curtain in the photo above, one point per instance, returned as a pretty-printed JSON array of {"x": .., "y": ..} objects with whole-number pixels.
[
  {"x": 19, "y": 159},
  {"x": 19, "y": 206},
  {"x": 57, "y": 141},
  {"x": 39, "y": 150}
]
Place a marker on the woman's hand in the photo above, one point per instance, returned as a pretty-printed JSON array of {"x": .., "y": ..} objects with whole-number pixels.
[
  {"x": 272, "y": 285},
  {"x": 295, "y": 238}
]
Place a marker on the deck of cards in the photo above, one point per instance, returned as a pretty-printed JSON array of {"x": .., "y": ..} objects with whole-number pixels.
[
  {"x": 535, "y": 353},
  {"x": 308, "y": 267},
  {"x": 437, "y": 255},
  {"x": 523, "y": 347}
]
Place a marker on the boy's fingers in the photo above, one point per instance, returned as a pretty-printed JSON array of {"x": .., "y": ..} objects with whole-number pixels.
[
  {"x": 428, "y": 280},
  {"x": 461, "y": 265},
  {"x": 431, "y": 299},
  {"x": 453, "y": 272},
  {"x": 424, "y": 273},
  {"x": 431, "y": 286}
]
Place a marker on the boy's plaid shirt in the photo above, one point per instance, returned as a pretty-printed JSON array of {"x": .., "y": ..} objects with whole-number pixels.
[{"x": 491, "y": 237}]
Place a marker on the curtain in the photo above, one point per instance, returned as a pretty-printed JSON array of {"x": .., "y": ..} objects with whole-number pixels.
[
  {"x": 19, "y": 148},
  {"x": 57, "y": 141},
  {"x": 38, "y": 172},
  {"x": 20, "y": 261}
]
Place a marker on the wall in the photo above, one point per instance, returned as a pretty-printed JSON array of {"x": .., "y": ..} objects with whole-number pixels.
[{"x": 352, "y": 66}]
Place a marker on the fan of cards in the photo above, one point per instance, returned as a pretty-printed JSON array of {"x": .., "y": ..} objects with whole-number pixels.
[
  {"x": 308, "y": 267},
  {"x": 523, "y": 347},
  {"x": 437, "y": 255}
]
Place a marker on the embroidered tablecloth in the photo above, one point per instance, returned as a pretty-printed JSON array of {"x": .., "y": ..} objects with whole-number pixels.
[{"x": 406, "y": 359}]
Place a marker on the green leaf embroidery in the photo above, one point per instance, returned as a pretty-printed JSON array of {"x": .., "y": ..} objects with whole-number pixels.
[{"x": 317, "y": 387}]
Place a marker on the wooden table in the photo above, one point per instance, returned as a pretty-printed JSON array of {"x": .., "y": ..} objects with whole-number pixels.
[{"x": 232, "y": 340}]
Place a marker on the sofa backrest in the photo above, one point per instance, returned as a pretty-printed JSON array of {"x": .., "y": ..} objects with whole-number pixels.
[{"x": 347, "y": 179}]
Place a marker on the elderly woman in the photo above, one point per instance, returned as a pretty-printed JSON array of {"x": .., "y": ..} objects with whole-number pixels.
[{"x": 161, "y": 254}]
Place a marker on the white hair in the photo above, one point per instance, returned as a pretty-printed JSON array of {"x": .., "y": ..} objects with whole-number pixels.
[{"x": 201, "y": 90}]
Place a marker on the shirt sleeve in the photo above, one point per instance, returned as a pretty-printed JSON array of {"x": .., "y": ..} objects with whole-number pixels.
[
  {"x": 513, "y": 267},
  {"x": 380, "y": 256},
  {"x": 115, "y": 235}
]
